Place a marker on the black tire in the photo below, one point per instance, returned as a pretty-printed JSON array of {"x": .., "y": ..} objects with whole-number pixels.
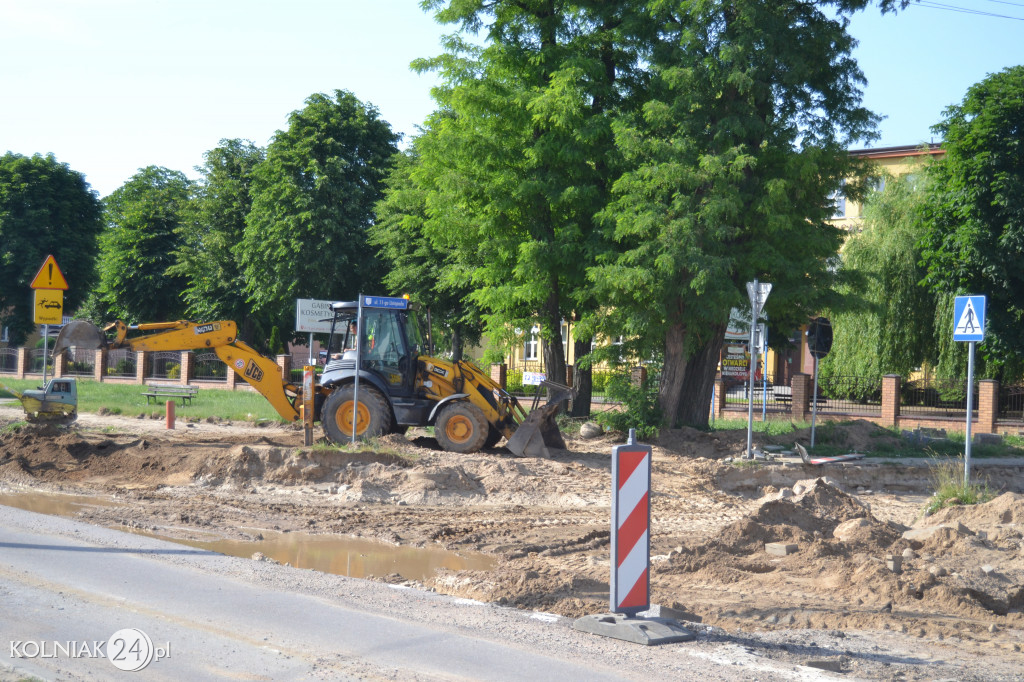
[
  {"x": 374, "y": 418},
  {"x": 461, "y": 427},
  {"x": 493, "y": 436}
]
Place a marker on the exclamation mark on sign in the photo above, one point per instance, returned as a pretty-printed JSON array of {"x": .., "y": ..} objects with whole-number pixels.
[{"x": 50, "y": 281}]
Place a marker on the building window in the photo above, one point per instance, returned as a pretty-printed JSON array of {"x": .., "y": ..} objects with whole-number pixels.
[
  {"x": 5, "y": 335},
  {"x": 839, "y": 201},
  {"x": 532, "y": 345},
  {"x": 565, "y": 339},
  {"x": 878, "y": 184}
]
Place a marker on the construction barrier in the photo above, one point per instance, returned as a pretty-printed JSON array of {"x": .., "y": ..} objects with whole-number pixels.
[{"x": 631, "y": 523}]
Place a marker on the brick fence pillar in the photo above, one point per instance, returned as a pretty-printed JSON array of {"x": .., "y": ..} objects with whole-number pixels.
[
  {"x": 188, "y": 369},
  {"x": 637, "y": 376},
  {"x": 988, "y": 405},
  {"x": 231, "y": 378},
  {"x": 141, "y": 362},
  {"x": 891, "y": 399},
  {"x": 499, "y": 375},
  {"x": 719, "y": 407},
  {"x": 99, "y": 364},
  {"x": 800, "y": 397},
  {"x": 60, "y": 365},
  {"x": 285, "y": 363},
  {"x": 22, "y": 368}
]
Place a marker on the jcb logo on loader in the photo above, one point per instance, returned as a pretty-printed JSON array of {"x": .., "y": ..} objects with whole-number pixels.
[{"x": 254, "y": 372}]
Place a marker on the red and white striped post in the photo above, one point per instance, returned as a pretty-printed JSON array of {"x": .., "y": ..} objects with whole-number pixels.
[{"x": 631, "y": 523}]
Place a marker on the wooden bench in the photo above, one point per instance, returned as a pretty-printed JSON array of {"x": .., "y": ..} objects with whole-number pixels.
[{"x": 158, "y": 391}]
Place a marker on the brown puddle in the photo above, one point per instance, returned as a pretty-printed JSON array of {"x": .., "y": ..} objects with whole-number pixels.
[
  {"x": 342, "y": 555},
  {"x": 53, "y": 504}
]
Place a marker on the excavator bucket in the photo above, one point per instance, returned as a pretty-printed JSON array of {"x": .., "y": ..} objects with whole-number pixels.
[
  {"x": 78, "y": 333},
  {"x": 539, "y": 431}
]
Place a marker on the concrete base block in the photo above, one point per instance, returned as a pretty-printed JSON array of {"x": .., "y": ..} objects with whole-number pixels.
[{"x": 646, "y": 631}]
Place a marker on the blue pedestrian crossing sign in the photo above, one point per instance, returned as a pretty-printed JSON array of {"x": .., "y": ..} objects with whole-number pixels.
[{"x": 969, "y": 318}]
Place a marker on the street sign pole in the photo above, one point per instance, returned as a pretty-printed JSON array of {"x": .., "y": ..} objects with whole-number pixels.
[
  {"x": 359, "y": 364},
  {"x": 750, "y": 375},
  {"x": 758, "y": 294},
  {"x": 969, "y": 325},
  {"x": 814, "y": 409},
  {"x": 970, "y": 411}
]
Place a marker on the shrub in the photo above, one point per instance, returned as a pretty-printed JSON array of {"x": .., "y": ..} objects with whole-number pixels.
[
  {"x": 514, "y": 381},
  {"x": 640, "y": 405},
  {"x": 174, "y": 371}
]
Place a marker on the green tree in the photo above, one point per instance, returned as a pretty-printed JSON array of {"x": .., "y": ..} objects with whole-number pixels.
[
  {"x": 418, "y": 266},
  {"x": 313, "y": 201},
  {"x": 733, "y": 161},
  {"x": 522, "y": 157},
  {"x": 975, "y": 238},
  {"x": 45, "y": 209},
  {"x": 144, "y": 217},
  {"x": 892, "y": 331},
  {"x": 209, "y": 256}
]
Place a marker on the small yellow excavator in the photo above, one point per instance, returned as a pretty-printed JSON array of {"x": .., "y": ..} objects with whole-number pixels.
[{"x": 399, "y": 385}]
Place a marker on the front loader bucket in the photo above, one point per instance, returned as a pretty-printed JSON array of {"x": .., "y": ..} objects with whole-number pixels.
[
  {"x": 539, "y": 431},
  {"x": 78, "y": 333}
]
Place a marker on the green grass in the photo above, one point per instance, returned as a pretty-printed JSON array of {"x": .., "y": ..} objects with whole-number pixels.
[
  {"x": 127, "y": 400},
  {"x": 772, "y": 427},
  {"x": 951, "y": 489}
]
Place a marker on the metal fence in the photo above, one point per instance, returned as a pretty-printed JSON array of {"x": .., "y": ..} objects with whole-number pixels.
[
  {"x": 768, "y": 397},
  {"x": 165, "y": 364},
  {"x": 208, "y": 367},
  {"x": 36, "y": 358},
  {"x": 121, "y": 362},
  {"x": 850, "y": 395},
  {"x": 1011, "y": 402},
  {"x": 9, "y": 360},
  {"x": 936, "y": 397},
  {"x": 81, "y": 362}
]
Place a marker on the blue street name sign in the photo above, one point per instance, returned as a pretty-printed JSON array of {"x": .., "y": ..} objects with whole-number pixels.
[
  {"x": 386, "y": 302},
  {"x": 969, "y": 318}
]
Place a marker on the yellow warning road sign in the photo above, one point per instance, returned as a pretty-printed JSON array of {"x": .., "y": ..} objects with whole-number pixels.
[
  {"x": 49, "y": 306},
  {"x": 49, "y": 276}
]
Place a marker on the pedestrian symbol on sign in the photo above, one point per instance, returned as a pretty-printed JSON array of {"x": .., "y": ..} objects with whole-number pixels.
[{"x": 969, "y": 313}]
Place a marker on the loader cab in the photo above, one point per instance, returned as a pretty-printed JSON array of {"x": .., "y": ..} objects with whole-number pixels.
[{"x": 390, "y": 342}]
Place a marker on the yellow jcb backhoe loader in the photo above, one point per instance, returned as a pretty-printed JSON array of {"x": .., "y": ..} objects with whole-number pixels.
[{"x": 399, "y": 385}]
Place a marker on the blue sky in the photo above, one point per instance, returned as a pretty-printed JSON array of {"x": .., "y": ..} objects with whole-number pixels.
[{"x": 109, "y": 86}]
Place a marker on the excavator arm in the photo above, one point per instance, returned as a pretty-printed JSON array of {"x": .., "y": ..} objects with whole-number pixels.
[{"x": 259, "y": 371}]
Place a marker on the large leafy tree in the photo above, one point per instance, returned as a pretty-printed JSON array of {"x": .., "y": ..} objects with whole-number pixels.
[
  {"x": 753, "y": 105},
  {"x": 893, "y": 328},
  {"x": 416, "y": 265},
  {"x": 521, "y": 156},
  {"x": 313, "y": 201},
  {"x": 144, "y": 218},
  {"x": 45, "y": 209},
  {"x": 209, "y": 257},
  {"x": 975, "y": 238}
]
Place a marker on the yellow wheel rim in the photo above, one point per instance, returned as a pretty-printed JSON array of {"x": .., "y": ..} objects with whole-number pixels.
[
  {"x": 344, "y": 418},
  {"x": 459, "y": 429}
]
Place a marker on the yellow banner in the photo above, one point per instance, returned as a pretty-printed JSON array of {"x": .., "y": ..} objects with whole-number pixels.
[{"x": 49, "y": 306}]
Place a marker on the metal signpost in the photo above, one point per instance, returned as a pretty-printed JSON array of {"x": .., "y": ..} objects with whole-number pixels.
[
  {"x": 313, "y": 316},
  {"x": 48, "y": 287},
  {"x": 819, "y": 343},
  {"x": 758, "y": 293},
  {"x": 969, "y": 325},
  {"x": 394, "y": 303}
]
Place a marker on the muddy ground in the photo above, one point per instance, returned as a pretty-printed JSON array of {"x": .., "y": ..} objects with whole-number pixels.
[{"x": 960, "y": 587}]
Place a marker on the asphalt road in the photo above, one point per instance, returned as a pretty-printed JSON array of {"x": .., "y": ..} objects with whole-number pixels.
[{"x": 67, "y": 587}]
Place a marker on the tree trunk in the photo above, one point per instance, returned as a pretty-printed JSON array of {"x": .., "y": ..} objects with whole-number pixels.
[
  {"x": 456, "y": 346},
  {"x": 554, "y": 354},
  {"x": 694, "y": 405},
  {"x": 673, "y": 374},
  {"x": 582, "y": 380}
]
